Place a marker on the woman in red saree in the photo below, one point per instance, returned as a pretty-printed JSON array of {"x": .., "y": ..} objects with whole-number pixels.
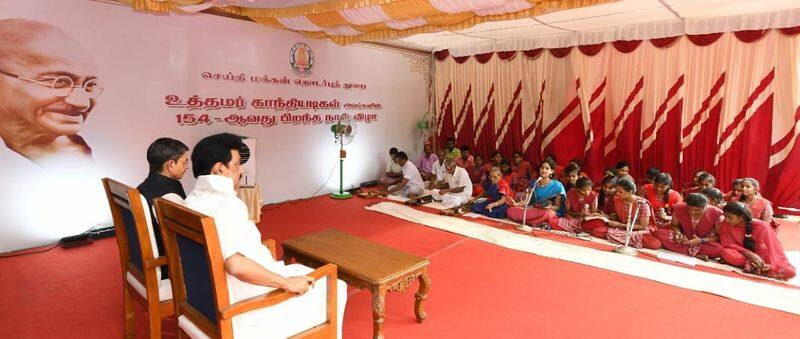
[
  {"x": 625, "y": 205},
  {"x": 760, "y": 208},
  {"x": 581, "y": 202},
  {"x": 752, "y": 245},
  {"x": 661, "y": 197},
  {"x": 693, "y": 228}
]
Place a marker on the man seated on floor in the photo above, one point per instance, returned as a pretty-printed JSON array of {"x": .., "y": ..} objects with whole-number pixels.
[
  {"x": 438, "y": 171},
  {"x": 459, "y": 186},
  {"x": 411, "y": 185},
  {"x": 393, "y": 170},
  {"x": 426, "y": 161},
  {"x": 168, "y": 159},
  {"x": 250, "y": 268}
]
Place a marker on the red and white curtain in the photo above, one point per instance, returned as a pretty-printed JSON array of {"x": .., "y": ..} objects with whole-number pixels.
[{"x": 728, "y": 103}]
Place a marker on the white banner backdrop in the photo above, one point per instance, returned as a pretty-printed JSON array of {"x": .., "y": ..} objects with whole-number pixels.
[{"x": 150, "y": 68}]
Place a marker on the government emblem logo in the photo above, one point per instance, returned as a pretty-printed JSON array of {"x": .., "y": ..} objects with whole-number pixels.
[{"x": 301, "y": 58}]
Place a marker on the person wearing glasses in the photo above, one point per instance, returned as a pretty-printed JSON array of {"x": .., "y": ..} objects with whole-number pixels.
[{"x": 48, "y": 87}]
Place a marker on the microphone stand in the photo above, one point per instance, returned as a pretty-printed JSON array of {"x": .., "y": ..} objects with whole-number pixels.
[
  {"x": 625, "y": 249},
  {"x": 528, "y": 196}
]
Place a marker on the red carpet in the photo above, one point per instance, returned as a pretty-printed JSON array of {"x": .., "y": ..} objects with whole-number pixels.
[{"x": 478, "y": 290}]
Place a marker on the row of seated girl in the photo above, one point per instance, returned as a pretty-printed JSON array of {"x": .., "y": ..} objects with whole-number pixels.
[{"x": 736, "y": 228}]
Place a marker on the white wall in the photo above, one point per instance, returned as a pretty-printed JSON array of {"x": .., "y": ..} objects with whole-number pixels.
[{"x": 141, "y": 58}]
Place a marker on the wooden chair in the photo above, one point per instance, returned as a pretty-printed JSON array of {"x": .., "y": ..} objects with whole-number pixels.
[
  {"x": 199, "y": 284},
  {"x": 141, "y": 271}
]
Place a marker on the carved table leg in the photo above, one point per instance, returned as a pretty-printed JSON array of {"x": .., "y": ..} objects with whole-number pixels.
[
  {"x": 287, "y": 256},
  {"x": 422, "y": 294},
  {"x": 378, "y": 311}
]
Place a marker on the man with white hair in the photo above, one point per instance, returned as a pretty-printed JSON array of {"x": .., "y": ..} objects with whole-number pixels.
[
  {"x": 48, "y": 86},
  {"x": 459, "y": 186}
]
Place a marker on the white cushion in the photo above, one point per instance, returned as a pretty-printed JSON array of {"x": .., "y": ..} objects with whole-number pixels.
[
  {"x": 240, "y": 332},
  {"x": 164, "y": 287},
  {"x": 173, "y": 198},
  {"x": 153, "y": 244}
]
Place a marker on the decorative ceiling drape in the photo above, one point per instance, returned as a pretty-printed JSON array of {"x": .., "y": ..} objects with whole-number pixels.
[{"x": 349, "y": 21}]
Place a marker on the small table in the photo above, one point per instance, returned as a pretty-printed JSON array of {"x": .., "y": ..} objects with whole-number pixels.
[{"x": 365, "y": 265}]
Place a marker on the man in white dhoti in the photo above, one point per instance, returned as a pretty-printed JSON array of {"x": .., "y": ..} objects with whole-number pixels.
[
  {"x": 411, "y": 185},
  {"x": 250, "y": 268},
  {"x": 439, "y": 173},
  {"x": 459, "y": 186}
]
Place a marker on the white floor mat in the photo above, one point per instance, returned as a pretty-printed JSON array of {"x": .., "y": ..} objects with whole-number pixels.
[{"x": 762, "y": 294}]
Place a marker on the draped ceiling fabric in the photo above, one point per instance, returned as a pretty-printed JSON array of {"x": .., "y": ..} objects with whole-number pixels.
[
  {"x": 728, "y": 103},
  {"x": 349, "y": 21}
]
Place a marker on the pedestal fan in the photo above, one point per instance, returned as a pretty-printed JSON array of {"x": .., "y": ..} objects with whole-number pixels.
[{"x": 343, "y": 132}]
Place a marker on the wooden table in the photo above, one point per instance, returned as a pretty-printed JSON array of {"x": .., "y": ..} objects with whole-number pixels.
[{"x": 365, "y": 265}]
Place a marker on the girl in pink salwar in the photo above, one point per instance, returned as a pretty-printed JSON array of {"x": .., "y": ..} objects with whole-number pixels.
[
  {"x": 626, "y": 204},
  {"x": 661, "y": 197},
  {"x": 760, "y": 208},
  {"x": 752, "y": 245},
  {"x": 581, "y": 201},
  {"x": 694, "y": 228}
]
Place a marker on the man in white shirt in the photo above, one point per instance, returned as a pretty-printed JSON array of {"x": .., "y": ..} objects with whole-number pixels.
[
  {"x": 459, "y": 186},
  {"x": 250, "y": 268},
  {"x": 411, "y": 185},
  {"x": 440, "y": 173},
  {"x": 393, "y": 171}
]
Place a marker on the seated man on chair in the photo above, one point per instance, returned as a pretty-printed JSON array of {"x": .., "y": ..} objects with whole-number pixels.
[
  {"x": 411, "y": 185},
  {"x": 459, "y": 186},
  {"x": 251, "y": 269},
  {"x": 168, "y": 159}
]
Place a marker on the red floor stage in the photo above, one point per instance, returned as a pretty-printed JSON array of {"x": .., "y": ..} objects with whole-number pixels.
[{"x": 478, "y": 290}]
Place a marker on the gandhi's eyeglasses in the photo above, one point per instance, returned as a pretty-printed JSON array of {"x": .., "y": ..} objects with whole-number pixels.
[{"x": 64, "y": 85}]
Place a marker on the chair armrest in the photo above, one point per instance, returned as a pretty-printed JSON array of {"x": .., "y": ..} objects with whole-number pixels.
[
  {"x": 276, "y": 296},
  {"x": 270, "y": 243},
  {"x": 160, "y": 261}
]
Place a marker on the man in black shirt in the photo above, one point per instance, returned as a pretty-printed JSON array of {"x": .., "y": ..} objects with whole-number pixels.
[{"x": 168, "y": 159}]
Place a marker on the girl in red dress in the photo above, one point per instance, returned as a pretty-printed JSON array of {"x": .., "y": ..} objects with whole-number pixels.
[
  {"x": 752, "y": 244},
  {"x": 760, "y": 208},
  {"x": 581, "y": 202},
  {"x": 626, "y": 204},
  {"x": 661, "y": 197}
]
